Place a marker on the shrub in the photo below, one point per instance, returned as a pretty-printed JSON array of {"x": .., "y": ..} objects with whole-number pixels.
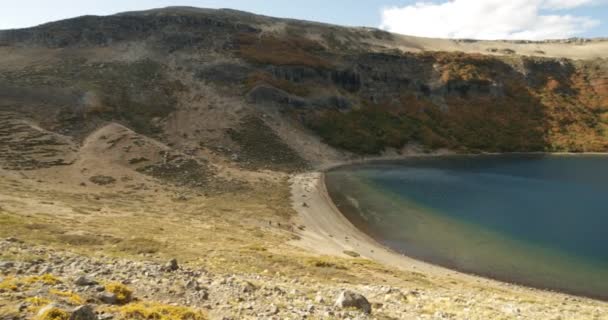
[
  {"x": 123, "y": 293},
  {"x": 54, "y": 314},
  {"x": 47, "y": 278},
  {"x": 36, "y": 303},
  {"x": 285, "y": 51},
  {"x": 144, "y": 311}
]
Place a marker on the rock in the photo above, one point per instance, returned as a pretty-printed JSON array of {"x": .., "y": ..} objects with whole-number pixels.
[
  {"x": 83, "y": 313},
  {"x": 193, "y": 285},
  {"x": 351, "y": 253},
  {"x": 22, "y": 306},
  {"x": 102, "y": 180},
  {"x": 108, "y": 298},
  {"x": 248, "y": 287},
  {"x": 170, "y": 266},
  {"x": 47, "y": 270},
  {"x": 349, "y": 299},
  {"x": 85, "y": 281},
  {"x": 273, "y": 310},
  {"x": 310, "y": 308},
  {"x": 319, "y": 299}
]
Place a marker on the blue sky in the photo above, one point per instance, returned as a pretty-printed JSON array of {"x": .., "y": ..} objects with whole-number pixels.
[{"x": 437, "y": 18}]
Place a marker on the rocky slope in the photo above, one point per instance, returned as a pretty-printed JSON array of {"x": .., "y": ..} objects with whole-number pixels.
[
  {"x": 192, "y": 77},
  {"x": 130, "y": 140}
]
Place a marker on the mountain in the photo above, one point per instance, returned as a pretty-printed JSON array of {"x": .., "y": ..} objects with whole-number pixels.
[
  {"x": 182, "y": 133},
  {"x": 207, "y": 79}
]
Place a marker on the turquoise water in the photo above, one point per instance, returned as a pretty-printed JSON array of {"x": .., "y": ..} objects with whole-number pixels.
[{"x": 536, "y": 220}]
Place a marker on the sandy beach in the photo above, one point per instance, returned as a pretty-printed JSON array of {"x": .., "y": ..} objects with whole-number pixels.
[{"x": 327, "y": 231}]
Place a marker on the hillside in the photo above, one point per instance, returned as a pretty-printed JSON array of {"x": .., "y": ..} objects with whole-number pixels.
[{"x": 182, "y": 133}]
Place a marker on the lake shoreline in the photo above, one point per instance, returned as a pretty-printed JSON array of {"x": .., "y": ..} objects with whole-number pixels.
[{"x": 328, "y": 231}]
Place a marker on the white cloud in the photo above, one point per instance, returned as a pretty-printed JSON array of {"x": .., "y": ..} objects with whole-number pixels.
[
  {"x": 488, "y": 19},
  {"x": 566, "y": 4}
]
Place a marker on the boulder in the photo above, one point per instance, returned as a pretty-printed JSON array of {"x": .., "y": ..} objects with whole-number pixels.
[
  {"x": 83, "y": 313},
  {"x": 85, "y": 281},
  {"x": 6, "y": 264},
  {"x": 171, "y": 266},
  {"x": 108, "y": 298},
  {"x": 349, "y": 299}
]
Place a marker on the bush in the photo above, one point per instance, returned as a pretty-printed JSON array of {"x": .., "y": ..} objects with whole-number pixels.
[
  {"x": 123, "y": 293},
  {"x": 285, "y": 51},
  {"x": 54, "y": 314},
  {"x": 144, "y": 311}
]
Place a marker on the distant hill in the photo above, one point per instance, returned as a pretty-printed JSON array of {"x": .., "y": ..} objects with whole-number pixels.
[{"x": 262, "y": 92}]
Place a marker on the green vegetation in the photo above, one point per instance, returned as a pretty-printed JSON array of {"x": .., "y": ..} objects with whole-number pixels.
[
  {"x": 364, "y": 131},
  {"x": 261, "y": 147}
]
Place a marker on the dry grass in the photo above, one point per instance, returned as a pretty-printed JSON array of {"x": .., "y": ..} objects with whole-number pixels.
[
  {"x": 12, "y": 283},
  {"x": 209, "y": 232},
  {"x": 35, "y": 303},
  {"x": 68, "y": 296}
]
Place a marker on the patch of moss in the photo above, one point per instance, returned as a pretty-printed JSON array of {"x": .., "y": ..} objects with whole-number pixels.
[
  {"x": 144, "y": 311},
  {"x": 54, "y": 314},
  {"x": 69, "y": 296},
  {"x": 9, "y": 284},
  {"x": 35, "y": 303},
  {"x": 122, "y": 293},
  {"x": 46, "y": 278}
]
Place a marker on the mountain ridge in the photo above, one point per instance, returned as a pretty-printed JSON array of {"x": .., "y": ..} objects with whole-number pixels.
[{"x": 332, "y": 83}]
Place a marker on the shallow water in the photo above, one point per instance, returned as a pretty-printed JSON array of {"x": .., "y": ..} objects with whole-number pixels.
[{"x": 536, "y": 220}]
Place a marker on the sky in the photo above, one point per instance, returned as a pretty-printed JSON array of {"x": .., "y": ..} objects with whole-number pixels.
[{"x": 471, "y": 19}]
